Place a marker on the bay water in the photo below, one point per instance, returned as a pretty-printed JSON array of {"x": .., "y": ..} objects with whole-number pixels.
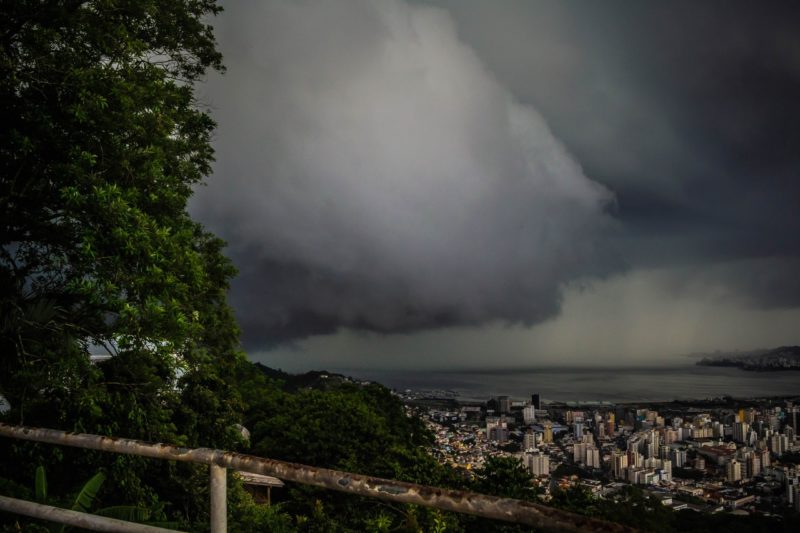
[{"x": 571, "y": 384}]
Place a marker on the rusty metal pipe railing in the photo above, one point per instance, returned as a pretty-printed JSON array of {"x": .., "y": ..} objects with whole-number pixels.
[
  {"x": 507, "y": 509},
  {"x": 75, "y": 518}
]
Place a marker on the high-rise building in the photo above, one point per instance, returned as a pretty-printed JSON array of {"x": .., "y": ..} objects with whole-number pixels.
[
  {"x": 678, "y": 457},
  {"x": 539, "y": 464},
  {"x": 592, "y": 456},
  {"x": 663, "y": 451},
  {"x": 653, "y": 463},
  {"x": 499, "y": 434},
  {"x": 529, "y": 414},
  {"x": 619, "y": 464},
  {"x": 579, "y": 452},
  {"x": 778, "y": 444},
  {"x": 610, "y": 424},
  {"x": 573, "y": 416},
  {"x": 504, "y": 404},
  {"x": 491, "y": 422},
  {"x": 635, "y": 459},
  {"x": 792, "y": 484},
  {"x": 753, "y": 464},
  {"x": 496, "y": 429},
  {"x": 740, "y": 431},
  {"x": 536, "y": 401},
  {"x": 765, "y": 458},
  {"x": 587, "y": 454},
  {"x": 634, "y": 444},
  {"x": 653, "y": 442},
  {"x": 529, "y": 440},
  {"x": 547, "y": 437},
  {"x": 734, "y": 471},
  {"x": 752, "y": 438}
]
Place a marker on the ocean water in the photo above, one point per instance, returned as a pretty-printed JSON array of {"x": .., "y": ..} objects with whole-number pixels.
[{"x": 594, "y": 384}]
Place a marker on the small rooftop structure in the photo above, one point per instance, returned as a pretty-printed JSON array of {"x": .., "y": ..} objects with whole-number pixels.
[
  {"x": 260, "y": 486},
  {"x": 259, "y": 479}
]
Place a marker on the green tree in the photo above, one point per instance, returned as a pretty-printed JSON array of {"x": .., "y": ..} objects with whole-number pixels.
[
  {"x": 101, "y": 144},
  {"x": 505, "y": 476},
  {"x": 500, "y": 476},
  {"x": 357, "y": 428}
]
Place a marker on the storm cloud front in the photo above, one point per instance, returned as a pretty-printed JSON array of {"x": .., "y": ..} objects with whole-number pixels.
[
  {"x": 449, "y": 182},
  {"x": 373, "y": 174}
]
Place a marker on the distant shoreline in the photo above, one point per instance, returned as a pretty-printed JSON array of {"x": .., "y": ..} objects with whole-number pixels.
[
  {"x": 571, "y": 403},
  {"x": 774, "y": 360},
  {"x": 749, "y": 368}
]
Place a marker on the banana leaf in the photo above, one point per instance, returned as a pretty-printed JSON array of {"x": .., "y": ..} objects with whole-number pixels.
[
  {"x": 88, "y": 493},
  {"x": 40, "y": 485}
]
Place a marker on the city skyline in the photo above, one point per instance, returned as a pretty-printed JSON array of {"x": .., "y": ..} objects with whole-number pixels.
[
  {"x": 734, "y": 455},
  {"x": 723, "y": 455}
]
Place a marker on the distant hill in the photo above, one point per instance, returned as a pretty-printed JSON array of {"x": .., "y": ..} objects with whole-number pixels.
[
  {"x": 316, "y": 379},
  {"x": 783, "y": 358}
]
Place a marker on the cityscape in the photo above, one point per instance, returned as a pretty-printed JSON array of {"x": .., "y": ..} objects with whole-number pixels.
[{"x": 724, "y": 455}]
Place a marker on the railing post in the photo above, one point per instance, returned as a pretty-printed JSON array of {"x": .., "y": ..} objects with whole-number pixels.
[{"x": 218, "y": 489}]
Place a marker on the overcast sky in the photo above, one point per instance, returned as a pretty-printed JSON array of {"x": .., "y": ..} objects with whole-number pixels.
[{"x": 504, "y": 183}]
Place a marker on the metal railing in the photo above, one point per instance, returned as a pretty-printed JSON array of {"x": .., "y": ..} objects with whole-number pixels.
[{"x": 482, "y": 505}]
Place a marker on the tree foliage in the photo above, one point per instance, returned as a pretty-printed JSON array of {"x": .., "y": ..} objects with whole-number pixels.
[
  {"x": 505, "y": 476},
  {"x": 346, "y": 426},
  {"x": 101, "y": 144}
]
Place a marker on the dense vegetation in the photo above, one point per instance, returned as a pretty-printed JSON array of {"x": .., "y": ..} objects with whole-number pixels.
[
  {"x": 339, "y": 424},
  {"x": 100, "y": 146}
]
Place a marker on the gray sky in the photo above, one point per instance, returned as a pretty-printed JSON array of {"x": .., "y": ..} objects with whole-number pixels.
[{"x": 461, "y": 183}]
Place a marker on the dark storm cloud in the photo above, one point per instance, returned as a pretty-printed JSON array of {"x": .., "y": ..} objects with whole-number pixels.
[
  {"x": 688, "y": 111},
  {"x": 390, "y": 167},
  {"x": 373, "y": 174}
]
